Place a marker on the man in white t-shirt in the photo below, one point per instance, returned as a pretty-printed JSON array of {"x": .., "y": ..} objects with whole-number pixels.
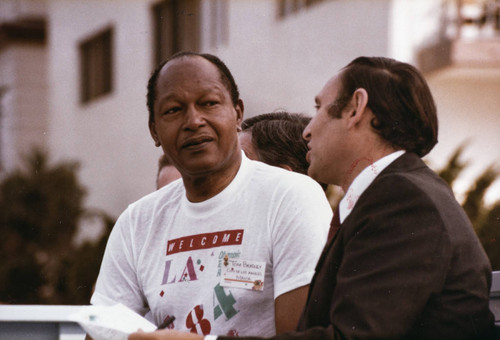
[{"x": 229, "y": 249}]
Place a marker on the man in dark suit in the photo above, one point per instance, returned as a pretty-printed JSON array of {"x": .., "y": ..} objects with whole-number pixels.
[{"x": 402, "y": 260}]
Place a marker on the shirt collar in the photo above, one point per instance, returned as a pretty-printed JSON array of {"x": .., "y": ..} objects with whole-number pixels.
[{"x": 362, "y": 181}]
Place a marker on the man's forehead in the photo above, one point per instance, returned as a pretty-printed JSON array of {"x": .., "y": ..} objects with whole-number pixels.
[
  {"x": 188, "y": 69},
  {"x": 188, "y": 63}
]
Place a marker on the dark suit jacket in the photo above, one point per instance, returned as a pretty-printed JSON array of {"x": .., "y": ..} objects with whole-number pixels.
[{"x": 405, "y": 263}]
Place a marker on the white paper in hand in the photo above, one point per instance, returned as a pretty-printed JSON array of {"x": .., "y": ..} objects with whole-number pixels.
[{"x": 110, "y": 322}]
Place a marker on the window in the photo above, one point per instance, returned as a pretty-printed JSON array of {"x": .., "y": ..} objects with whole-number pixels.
[
  {"x": 287, "y": 7},
  {"x": 176, "y": 27},
  {"x": 96, "y": 65}
]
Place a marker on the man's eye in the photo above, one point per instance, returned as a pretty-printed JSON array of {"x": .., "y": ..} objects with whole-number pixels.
[
  {"x": 316, "y": 107},
  {"x": 210, "y": 103},
  {"x": 171, "y": 110}
]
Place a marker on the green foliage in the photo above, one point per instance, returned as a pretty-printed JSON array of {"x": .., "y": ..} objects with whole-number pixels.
[
  {"x": 455, "y": 165},
  {"x": 474, "y": 201},
  {"x": 40, "y": 208},
  {"x": 43, "y": 203},
  {"x": 486, "y": 220}
]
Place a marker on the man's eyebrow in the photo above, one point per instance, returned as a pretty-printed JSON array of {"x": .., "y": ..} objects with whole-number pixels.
[
  {"x": 212, "y": 90},
  {"x": 333, "y": 105},
  {"x": 316, "y": 100},
  {"x": 166, "y": 98}
]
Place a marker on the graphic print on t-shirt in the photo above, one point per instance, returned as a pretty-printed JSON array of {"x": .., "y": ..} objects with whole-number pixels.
[
  {"x": 174, "y": 272},
  {"x": 205, "y": 241},
  {"x": 197, "y": 242}
]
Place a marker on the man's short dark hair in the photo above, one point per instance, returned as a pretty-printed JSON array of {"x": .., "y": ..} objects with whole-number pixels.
[
  {"x": 398, "y": 96},
  {"x": 226, "y": 77},
  {"x": 277, "y": 139}
]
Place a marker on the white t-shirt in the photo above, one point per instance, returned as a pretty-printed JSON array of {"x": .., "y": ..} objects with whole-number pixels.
[{"x": 165, "y": 254}]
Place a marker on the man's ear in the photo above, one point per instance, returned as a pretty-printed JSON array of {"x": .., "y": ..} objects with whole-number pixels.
[
  {"x": 359, "y": 102},
  {"x": 152, "y": 130},
  {"x": 240, "y": 107}
]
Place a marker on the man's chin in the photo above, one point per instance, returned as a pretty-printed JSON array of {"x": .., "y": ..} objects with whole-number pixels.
[{"x": 318, "y": 176}]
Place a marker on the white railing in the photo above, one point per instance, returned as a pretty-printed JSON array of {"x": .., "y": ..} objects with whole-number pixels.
[{"x": 41, "y": 322}]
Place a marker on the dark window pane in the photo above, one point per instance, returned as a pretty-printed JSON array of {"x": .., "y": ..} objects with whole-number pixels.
[
  {"x": 96, "y": 65},
  {"x": 176, "y": 26}
]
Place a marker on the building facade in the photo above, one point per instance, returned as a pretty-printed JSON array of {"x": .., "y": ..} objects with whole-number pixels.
[{"x": 85, "y": 96}]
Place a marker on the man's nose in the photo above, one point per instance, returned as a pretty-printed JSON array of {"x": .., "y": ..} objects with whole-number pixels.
[
  {"x": 306, "y": 134},
  {"x": 193, "y": 118}
]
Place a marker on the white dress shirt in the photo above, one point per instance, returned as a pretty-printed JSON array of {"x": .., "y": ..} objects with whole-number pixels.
[{"x": 362, "y": 181}]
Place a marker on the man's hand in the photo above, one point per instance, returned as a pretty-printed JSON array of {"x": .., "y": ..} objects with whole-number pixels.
[{"x": 164, "y": 335}]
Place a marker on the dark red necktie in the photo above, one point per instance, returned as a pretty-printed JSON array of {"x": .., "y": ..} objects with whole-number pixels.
[{"x": 334, "y": 225}]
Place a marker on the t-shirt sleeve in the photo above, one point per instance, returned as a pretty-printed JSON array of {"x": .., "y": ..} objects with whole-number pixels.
[
  {"x": 117, "y": 281},
  {"x": 299, "y": 234}
]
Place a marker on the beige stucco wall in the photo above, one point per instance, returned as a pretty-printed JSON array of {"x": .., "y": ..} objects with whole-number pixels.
[
  {"x": 23, "y": 79},
  {"x": 109, "y": 135},
  {"x": 278, "y": 64}
]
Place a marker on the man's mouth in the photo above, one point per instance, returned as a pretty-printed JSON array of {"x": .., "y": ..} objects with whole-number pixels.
[
  {"x": 308, "y": 154},
  {"x": 194, "y": 142}
]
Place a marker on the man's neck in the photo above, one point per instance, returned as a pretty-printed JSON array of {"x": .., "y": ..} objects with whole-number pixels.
[
  {"x": 363, "y": 161},
  {"x": 203, "y": 187}
]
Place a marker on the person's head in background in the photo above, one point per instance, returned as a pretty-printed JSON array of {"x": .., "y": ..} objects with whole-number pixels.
[
  {"x": 166, "y": 172},
  {"x": 276, "y": 139}
]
